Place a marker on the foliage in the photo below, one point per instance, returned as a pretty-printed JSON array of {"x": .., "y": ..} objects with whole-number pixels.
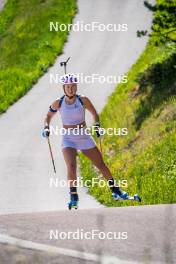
[{"x": 164, "y": 22}]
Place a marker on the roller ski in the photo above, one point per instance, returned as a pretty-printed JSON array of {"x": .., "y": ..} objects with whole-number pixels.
[
  {"x": 124, "y": 196},
  {"x": 73, "y": 201}
]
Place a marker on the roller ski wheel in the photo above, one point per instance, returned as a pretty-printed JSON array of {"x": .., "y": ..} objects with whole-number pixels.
[{"x": 73, "y": 204}]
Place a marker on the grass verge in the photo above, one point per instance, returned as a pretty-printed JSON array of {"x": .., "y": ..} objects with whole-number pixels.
[{"x": 27, "y": 46}]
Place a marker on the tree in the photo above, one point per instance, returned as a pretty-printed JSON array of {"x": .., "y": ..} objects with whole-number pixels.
[{"x": 164, "y": 23}]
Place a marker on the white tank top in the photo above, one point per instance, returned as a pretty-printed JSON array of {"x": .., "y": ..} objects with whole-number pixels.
[{"x": 72, "y": 114}]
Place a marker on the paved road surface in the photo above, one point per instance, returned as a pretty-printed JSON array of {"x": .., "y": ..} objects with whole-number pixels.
[{"x": 151, "y": 232}]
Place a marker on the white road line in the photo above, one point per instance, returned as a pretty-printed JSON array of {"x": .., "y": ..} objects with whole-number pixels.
[{"x": 5, "y": 239}]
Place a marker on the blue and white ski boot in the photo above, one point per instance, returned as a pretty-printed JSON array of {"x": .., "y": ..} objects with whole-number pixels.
[
  {"x": 73, "y": 202},
  {"x": 122, "y": 196},
  {"x": 125, "y": 196}
]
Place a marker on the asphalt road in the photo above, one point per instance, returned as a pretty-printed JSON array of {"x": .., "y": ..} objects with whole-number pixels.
[
  {"x": 25, "y": 166},
  {"x": 151, "y": 233}
]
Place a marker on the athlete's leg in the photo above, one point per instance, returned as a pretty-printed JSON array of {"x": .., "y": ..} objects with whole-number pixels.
[
  {"x": 95, "y": 156},
  {"x": 70, "y": 160}
]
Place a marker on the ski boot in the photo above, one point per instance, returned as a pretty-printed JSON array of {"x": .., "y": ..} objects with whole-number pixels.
[
  {"x": 121, "y": 195},
  {"x": 125, "y": 196},
  {"x": 73, "y": 201}
]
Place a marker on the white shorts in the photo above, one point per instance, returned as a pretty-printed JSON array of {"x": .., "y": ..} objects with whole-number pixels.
[{"x": 78, "y": 142}]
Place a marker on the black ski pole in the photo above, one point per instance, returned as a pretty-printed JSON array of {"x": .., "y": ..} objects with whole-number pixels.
[
  {"x": 64, "y": 63},
  {"x": 51, "y": 154}
]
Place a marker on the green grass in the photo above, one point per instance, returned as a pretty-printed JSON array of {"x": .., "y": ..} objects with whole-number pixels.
[
  {"x": 146, "y": 105},
  {"x": 27, "y": 46}
]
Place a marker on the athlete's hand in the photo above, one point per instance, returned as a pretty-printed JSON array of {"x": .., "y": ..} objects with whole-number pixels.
[{"x": 46, "y": 132}]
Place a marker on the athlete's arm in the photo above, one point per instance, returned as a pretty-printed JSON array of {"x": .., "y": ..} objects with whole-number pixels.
[
  {"x": 90, "y": 107},
  {"x": 52, "y": 110}
]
